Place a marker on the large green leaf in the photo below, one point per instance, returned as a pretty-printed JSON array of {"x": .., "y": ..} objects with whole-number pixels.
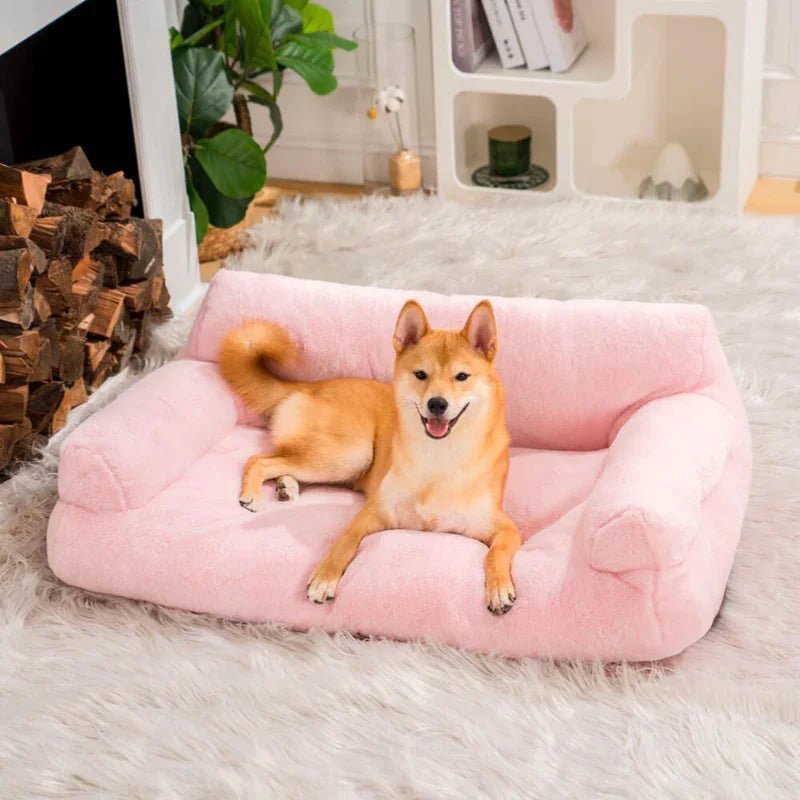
[
  {"x": 323, "y": 40},
  {"x": 316, "y": 18},
  {"x": 234, "y": 162},
  {"x": 222, "y": 211},
  {"x": 258, "y": 94},
  {"x": 285, "y": 20},
  {"x": 198, "y": 209},
  {"x": 248, "y": 13},
  {"x": 298, "y": 5},
  {"x": 201, "y": 87},
  {"x": 312, "y": 64}
]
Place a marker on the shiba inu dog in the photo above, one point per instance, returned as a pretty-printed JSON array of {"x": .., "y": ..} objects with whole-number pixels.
[{"x": 429, "y": 452}]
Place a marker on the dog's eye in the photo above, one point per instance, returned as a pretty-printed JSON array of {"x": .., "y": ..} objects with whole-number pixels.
[
  {"x": 420, "y": 375},
  {"x": 462, "y": 376}
]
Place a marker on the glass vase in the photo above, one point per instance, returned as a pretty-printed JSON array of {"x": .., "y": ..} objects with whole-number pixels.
[{"x": 387, "y": 72}]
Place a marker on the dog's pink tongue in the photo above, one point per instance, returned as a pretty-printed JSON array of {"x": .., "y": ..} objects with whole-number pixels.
[{"x": 436, "y": 427}]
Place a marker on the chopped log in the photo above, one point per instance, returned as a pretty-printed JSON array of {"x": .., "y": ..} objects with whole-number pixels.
[
  {"x": 160, "y": 294},
  {"x": 123, "y": 330},
  {"x": 95, "y": 353},
  {"x": 123, "y": 239},
  {"x": 9, "y": 436},
  {"x": 56, "y": 284},
  {"x": 13, "y": 403},
  {"x": 90, "y": 270},
  {"x": 101, "y": 373},
  {"x": 84, "y": 297},
  {"x": 49, "y": 355},
  {"x": 139, "y": 242},
  {"x": 49, "y": 233},
  {"x": 26, "y": 188},
  {"x": 111, "y": 272},
  {"x": 41, "y": 308},
  {"x": 110, "y": 303},
  {"x": 16, "y": 268},
  {"x": 2, "y": 369},
  {"x": 83, "y": 232},
  {"x": 74, "y": 396},
  {"x": 111, "y": 196},
  {"x": 84, "y": 325},
  {"x": 16, "y": 219},
  {"x": 70, "y": 166},
  {"x": 70, "y": 358},
  {"x": 20, "y": 243},
  {"x": 21, "y": 352},
  {"x": 43, "y": 403},
  {"x": 139, "y": 295},
  {"x": 122, "y": 199},
  {"x": 51, "y": 209},
  {"x": 19, "y": 313}
]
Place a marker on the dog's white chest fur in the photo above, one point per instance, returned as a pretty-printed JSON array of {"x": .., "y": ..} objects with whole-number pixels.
[{"x": 442, "y": 510}]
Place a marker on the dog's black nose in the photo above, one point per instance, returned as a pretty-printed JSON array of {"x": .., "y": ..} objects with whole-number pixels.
[{"x": 437, "y": 406}]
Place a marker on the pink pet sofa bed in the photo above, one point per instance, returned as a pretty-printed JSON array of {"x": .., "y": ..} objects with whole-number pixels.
[{"x": 629, "y": 476}]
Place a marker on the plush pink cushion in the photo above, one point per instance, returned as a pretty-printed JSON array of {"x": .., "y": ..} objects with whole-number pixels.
[{"x": 631, "y": 465}]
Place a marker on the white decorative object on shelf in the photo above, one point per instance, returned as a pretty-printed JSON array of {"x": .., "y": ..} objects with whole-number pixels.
[
  {"x": 673, "y": 177},
  {"x": 654, "y": 71}
]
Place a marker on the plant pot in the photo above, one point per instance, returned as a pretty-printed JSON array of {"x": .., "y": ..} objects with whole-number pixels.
[{"x": 405, "y": 173}]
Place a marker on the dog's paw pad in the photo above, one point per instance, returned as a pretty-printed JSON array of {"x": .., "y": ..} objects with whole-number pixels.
[{"x": 254, "y": 504}]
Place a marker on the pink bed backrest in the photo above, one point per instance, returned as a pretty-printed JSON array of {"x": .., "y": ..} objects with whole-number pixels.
[{"x": 573, "y": 371}]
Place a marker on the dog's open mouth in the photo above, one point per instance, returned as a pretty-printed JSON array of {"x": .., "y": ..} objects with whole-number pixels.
[{"x": 438, "y": 428}]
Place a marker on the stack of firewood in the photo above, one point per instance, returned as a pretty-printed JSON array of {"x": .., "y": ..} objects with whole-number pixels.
[{"x": 81, "y": 284}]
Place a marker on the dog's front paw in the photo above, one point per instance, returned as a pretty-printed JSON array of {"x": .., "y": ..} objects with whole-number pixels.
[
  {"x": 254, "y": 504},
  {"x": 322, "y": 584},
  {"x": 500, "y": 594},
  {"x": 287, "y": 488}
]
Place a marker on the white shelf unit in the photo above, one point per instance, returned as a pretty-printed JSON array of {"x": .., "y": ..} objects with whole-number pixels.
[{"x": 655, "y": 71}]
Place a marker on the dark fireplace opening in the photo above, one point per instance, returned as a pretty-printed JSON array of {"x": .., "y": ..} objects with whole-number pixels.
[{"x": 66, "y": 86}]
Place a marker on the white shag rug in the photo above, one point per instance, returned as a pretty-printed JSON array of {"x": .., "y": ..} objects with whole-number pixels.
[{"x": 107, "y": 698}]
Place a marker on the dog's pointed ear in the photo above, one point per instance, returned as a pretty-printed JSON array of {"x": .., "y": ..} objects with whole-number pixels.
[
  {"x": 480, "y": 330},
  {"x": 411, "y": 326}
]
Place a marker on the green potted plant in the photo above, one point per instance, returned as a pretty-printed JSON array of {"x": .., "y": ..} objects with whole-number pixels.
[{"x": 234, "y": 53}]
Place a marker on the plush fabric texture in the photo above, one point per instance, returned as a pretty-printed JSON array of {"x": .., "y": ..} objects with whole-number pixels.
[
  {"x": 106, "y": 697},
  {"x": 627, "y": 409}
]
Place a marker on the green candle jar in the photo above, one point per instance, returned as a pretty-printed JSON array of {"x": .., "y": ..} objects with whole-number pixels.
[{"x": 509, "y": 150}]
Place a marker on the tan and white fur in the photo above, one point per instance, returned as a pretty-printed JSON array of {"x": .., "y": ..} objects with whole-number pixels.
[{"x": 429, "y": 452}]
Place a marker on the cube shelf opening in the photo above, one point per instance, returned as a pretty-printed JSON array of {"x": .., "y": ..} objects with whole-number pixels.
[{"x": 475, "y": 113}]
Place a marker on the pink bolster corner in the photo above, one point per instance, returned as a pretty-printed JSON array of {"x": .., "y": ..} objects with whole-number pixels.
[
  {"x": 638, "y": 538},
  {"x": 86, "y": 479}
]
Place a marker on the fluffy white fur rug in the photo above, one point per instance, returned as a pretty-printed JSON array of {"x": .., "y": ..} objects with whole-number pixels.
[{"x": 106, "y": 698}]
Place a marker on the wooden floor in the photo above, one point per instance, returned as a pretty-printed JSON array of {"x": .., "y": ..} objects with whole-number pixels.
[{"x": 770, "y": 196}]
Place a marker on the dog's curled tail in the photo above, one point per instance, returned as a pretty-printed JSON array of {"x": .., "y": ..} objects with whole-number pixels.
[{"x": 244, "y": 360}]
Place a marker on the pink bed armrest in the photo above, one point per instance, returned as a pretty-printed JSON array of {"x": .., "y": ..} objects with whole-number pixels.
[
  {"x": 127, "y": 452},
  {"x": 644, "y": 511}
]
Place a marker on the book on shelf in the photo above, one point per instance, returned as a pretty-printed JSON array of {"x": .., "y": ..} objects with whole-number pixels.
[
  {"x": 503, "y": 33},
  {"x": 562, "y": 32},
  {"x": 528, "y": 34},
  {"x": 470, "y": 34}
]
